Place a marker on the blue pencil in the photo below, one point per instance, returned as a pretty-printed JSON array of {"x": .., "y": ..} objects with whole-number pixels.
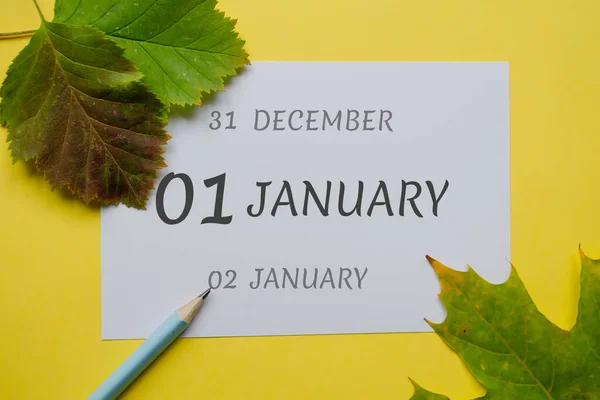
[{"x": 151, "y": 348}]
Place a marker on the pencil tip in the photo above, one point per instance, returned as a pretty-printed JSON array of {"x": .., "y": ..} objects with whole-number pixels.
[{"x": 205, "y": 294}]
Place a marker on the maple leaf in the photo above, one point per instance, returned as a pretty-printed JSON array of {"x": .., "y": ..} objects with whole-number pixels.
[
  {"x": 183, "y": 47},
  {"x": 510, "y": 347},
  {"x": 74, "y": 105},
  {"x": 423, "y": 394}
]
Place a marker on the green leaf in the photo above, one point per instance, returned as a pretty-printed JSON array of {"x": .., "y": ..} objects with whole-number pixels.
[
  {"x": 423, "y": 394},
  {"x": 588, "y": 317},
  {"x": 510, "y": 347},
  {"x": 74, "y": 105},
  {"x": 183, "y": 47}
]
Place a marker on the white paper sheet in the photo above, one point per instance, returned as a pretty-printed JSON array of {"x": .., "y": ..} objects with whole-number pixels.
[{"x": 431, "y": 122}]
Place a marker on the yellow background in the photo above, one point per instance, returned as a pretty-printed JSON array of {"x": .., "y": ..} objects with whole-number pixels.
[{"x": 50, "y": 345}]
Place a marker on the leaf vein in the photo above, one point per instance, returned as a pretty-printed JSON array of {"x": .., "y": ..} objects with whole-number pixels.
[
  {"x": 35, "y": 61},
  {"x": 165, "y": 72},
  {"x": 509, "y": 382},
  {"x": 211, "y": 17},
  {"x": 478, "y": 346},
  {"x": 135, "y": 19},
  {"x": 74, "y": 42},
  {"x": 118, "y": 166},
  {"x": 90, "y": 66},
  {"x": 104, "y": 13},
  {"x": 74, "y": 11},
  {"x": 174, "y": 22},
  {"x": 117, "y": 127},
  {"x": 45, "y": 99},
  {"x": 17, "y": 65},
  {"x": 213, "y": 53},
  {"x": 505, "y": 343},
  {"x": 128, "y": 152},
  {"x": 195, "y": 68},
  {"x": 62, "y": 146}
]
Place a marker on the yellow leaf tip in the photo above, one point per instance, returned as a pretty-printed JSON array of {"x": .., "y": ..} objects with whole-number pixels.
[
  {"x": 582, "y": 254},
  {"x": 431, "y": 324},
  {"x": 438, "y": 267}
]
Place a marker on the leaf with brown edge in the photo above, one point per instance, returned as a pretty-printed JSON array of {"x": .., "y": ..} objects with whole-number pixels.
[
  {"x": 510, "y": 347},
  {"x": 74, "y": 105}
]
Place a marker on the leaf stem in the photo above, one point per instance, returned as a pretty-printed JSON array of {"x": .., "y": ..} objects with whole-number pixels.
[
  {"x": 19, "y": 34},
  {"x": 14, "y": 35},
  {"x": 39, "y": 10}
]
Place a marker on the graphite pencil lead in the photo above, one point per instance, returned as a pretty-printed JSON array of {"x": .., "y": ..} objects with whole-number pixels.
[{"x": 205, "y": 294}]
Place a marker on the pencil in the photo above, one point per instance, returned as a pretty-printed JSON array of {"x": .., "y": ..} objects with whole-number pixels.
[{"x": 151, "y": 348}]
